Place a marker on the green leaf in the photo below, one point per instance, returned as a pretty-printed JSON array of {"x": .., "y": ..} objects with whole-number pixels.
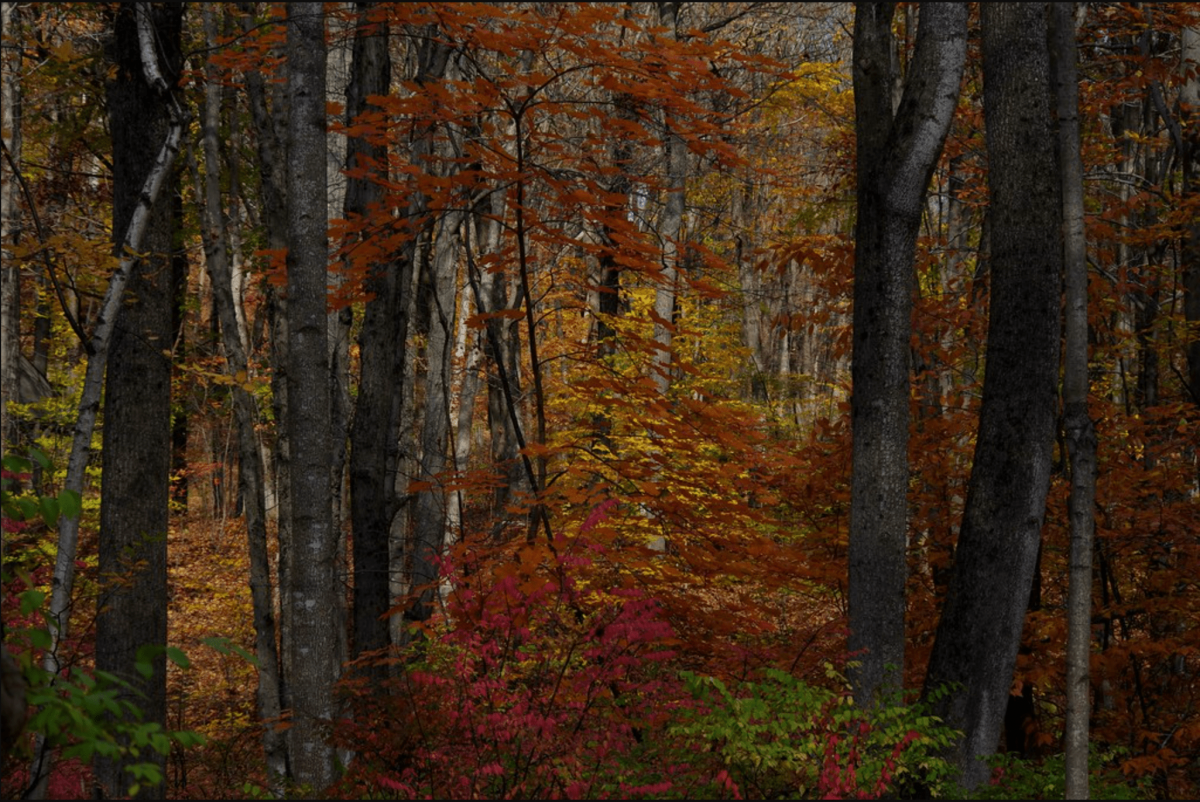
[
  {"x": 15, "y": 464},
  {"x": 40, "y": 638},
  {"x": 41, "y": 459},
  {"x": 31, "y": 600},
  {"x": 49, "y": 508},
  {"x": 27, "y": 508},
  {"x": 176, "y": 656},
  {"x": 70, "y": 504}
]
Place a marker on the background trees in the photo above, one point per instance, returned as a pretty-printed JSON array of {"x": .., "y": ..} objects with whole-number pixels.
[{"x": 598, "y": 265}]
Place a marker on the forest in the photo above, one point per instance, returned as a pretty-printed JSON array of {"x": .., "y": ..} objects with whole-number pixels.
[{"x": 600, "y": 400}]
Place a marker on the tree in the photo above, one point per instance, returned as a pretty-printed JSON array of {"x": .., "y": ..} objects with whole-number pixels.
[
  {"x": 312, "y": 648},
  {"x": 373, "y": 432},
  {"x": 136, "y": 455},
  {"x": 218, "y": 255},
  {"x": 984, "y": 612},
  {"x": 1077, "y": 423},
  {"x": 897, "y": 151},
  {"x": 10, "y": 225}
]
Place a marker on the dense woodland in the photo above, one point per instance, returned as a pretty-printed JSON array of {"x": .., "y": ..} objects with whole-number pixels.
[{"x": 553, "y": 400}]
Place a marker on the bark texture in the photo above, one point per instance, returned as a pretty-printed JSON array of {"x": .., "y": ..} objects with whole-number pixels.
[
  {"x": 136, "y": 457},
  {"x": 312, "y": 648},
  {"x": 251, "y": 468},
  {"x": 980, "y": 628},
  {"x": 10, "y": 226},
  {"x": 896, "y": 156},
  {"x": 1077, "y": 425},
  {"x": 376, "y": 414}
]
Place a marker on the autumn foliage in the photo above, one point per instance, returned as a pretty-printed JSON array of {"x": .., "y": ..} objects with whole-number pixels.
[{"x": 645, "y": 597}]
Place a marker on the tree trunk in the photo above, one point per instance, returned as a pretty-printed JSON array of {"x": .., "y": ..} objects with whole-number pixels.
[
  {"x": 373, "y": 432},
  {"x": 675, "y": 153},
  {"x": 1190, "y": 95},
  {"x": 312, "y": 651},
  {"x": 1080, "y": 432},
  {"x": 10, "y": 227},
  {"x": 89, "y": 403},
  {"x": 251, "y": 472},
  {"x": 896, "y": 156},
  {"x": 136, "y": 456},
  {"x": 981, "y": 624},
  {"x": 430, "y": 513}
]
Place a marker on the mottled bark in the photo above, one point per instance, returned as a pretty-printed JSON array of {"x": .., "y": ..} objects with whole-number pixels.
[
  {"x": 981, "y": 624},
  {"x": 896, "y": 156},
  {"x": 429, "y": 524},
  {"x": 311, "y": 657},
  {"x": 136, "y": 456},
  {"x": 670, "y": 226},
  {"x": 10, "y": 225}
]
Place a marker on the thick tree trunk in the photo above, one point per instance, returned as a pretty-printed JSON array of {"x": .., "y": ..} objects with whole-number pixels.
[
  {"x": 1190, "y": 95},
  {"x": 373, "y": 432},
  {"x": 136, "y": 456},
  {"x": 312, "y": 652},
  {"x": 896, "y": 156},
  {"x": 89, "y": 403},
  {"x": 980, "y": 628}
]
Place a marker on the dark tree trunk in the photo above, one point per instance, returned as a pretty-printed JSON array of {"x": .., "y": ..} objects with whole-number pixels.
[
  {"x": 376, "y": 415},
  {"x": 311, "y": 656},
  {"x": 980, "y": 629},
  {"x": 136, "y": 459},
  {"x": 896, "y": 156}
]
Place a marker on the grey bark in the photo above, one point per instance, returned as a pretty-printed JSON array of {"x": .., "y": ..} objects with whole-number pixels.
[
  {"x": 268, "y": 119},
  {"x": 89, "y": 404},
  {"x": 896, "y": 156},
  {"x": 675, "y": 153},
  {"x": 430, "y": 513},
  {"x": 311, "y": 657},
  {"x": 252, "y": 472},
  {"x": 1078, "y": 426},
  {"x": 10, "y": 225},
  {"x": 374, "y": 429},
  {"x": 982, "y": 620},
  {"x": 136, "y": 456},
  {"x": 1189, "y": 96}
]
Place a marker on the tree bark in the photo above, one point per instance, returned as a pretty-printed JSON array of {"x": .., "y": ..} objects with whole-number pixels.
[
  {"x": 312, "y": 651},
  {"x": 675, "y": 153},
  {"x": 136, "y": 456},
  {"x": 373, "y": 431},
  {"x": 10, "y": 226},
  {"x": 981, "y": 624},
  {"x": 1189, "y": 95},
  {"x": 1080, "y": 432},
  {"x": 896, "y": 156},
  {"x": 251, "y": 471}
]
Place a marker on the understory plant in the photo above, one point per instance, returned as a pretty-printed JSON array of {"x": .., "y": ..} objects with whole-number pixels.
[{"x": 536, "y": 684}]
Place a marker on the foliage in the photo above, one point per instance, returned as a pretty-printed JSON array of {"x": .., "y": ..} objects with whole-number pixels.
[
  {"x": 783, "y": 737},
  {"x": 82, "y": 712},
  {"x": 1014, "y": 778},
  {"x": 542, "y": 685}
]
